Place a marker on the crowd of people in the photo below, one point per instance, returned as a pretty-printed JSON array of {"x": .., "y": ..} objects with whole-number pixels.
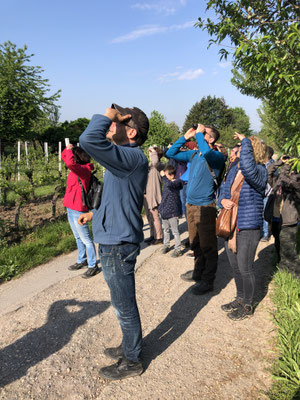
[{"x": 196, "y": 181}]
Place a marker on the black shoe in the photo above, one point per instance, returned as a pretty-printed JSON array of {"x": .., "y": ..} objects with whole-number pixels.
[
  {"x": 115, "y": 353},
  {"x": 122, "y": 369},
  {"x": 241, "y": 312},
  {"x": 187, "y": 244},
  {"x": 77, "y": 266},
  {"x": 202, "y": 288},
  {"x": 165, "y": 249},
  {"x": 90, "y": 272},
  {"x": 149, "y": 240},
  {"x": 233, "y": 305},
  {"x": 188, "y": 277},
  {"x": 157, "y": 241}
]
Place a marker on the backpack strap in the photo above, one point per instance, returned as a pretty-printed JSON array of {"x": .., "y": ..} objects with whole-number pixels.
[
  {"x": 83, "y": 194},
  {"x": 212, "y": 172}
]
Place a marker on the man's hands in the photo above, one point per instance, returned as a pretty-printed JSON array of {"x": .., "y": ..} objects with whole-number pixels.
[
  {"x": 238, "y": 136},
  {"x": 115, "y": 116},
  {"x": 192, "y": 132},
  {"x": 227, "y": 204},
  {"x": 84, "y": 218}
]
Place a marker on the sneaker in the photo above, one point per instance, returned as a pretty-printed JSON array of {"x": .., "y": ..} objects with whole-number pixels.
[
  {"x": 202, "y": 288},
  {"x": 265, "y": 239},
  {"x": 241, "y": 312},
  {"x": 157, "y": 241},
  {"x": 91, "y": 272},
  {"x": 176, "y": 253},
  {"x": 77, "y": 266},
  {"x": 149, "y": 240},
  {"x": 165, "y": 249},
  {"x": 188, "y": 276},
  {"x": 122, "y": 369},
  {"x": 233, "y": 305},
  {"x": 115, "y": 353},
  {"x": 190, "y": 255}
]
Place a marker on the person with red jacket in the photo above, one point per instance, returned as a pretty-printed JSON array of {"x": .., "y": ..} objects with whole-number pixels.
[{"x": 78, "y": 162}]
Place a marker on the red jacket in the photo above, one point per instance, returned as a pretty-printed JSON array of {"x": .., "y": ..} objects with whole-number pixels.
[{"x": 73, "y": 196}]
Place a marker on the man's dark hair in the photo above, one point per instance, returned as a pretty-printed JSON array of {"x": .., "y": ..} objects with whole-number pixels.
[
  {"x": 80, "y": 156},
  {"x": 170, "y": 169},
  {"x": 269, "y": 152},
  {"x": 159, "y": 152},
  {"x": 214, "y": 132}
]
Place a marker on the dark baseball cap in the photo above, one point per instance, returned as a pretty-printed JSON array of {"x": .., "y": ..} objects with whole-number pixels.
[{"x": 138, "y": 121}]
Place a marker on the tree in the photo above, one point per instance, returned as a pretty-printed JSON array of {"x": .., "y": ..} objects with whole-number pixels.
[
  {"x": 24, "y": 99},
  {"x": 71, "y": 130},
  {"x": 175, "y": 131},
  {"x": 214, "y": 111},
  {"x": 209, "y": 111},
  {"x": 265, "y": 36},
  {"x": 160, "y": 133}
]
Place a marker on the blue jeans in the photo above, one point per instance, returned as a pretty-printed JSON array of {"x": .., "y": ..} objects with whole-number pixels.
[
  {"x": 265, "y": 223},
  {"x": 118, "y": 262},
  {"x": 84, "y": 241}
]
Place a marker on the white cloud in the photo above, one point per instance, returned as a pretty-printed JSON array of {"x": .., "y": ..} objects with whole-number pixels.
[
  {"x": 181, "y": 76},
  {"x": 150, "y": 30},
  {"x": 225, "y": 64},
  {"x": 160, "y": 8},
  {"x": 167, "y": 7}
]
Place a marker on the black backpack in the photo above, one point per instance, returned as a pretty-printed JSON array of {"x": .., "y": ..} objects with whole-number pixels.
[{"x": 92, "y": 199}]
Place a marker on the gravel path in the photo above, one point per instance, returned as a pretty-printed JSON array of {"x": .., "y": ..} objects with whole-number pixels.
[{"x": 52, "y": 343}]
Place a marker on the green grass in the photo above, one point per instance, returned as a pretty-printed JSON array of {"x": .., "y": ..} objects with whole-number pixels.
[
  {"x": 40, "y": 191},
  {"x": 37, "y": 248},
  {"x": 286, "y": 370}
]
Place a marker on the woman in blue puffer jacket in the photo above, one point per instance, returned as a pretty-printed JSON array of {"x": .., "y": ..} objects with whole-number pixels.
[{"x": 249, "y": 221}]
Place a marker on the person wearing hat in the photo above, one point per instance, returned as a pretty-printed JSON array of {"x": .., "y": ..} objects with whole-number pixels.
[{"x": 112, "y": 140}]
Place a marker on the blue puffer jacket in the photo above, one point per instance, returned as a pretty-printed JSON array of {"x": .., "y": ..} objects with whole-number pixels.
[{"x": 250, "y": 211}]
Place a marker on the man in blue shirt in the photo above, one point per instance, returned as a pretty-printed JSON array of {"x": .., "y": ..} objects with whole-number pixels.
[
  {"x": 201, "y": 209},
  {"x": 112, "y": 140}
]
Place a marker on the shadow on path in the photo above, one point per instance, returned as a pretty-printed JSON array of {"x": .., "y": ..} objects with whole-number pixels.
[
  {"x": 182, "y": 314},
  {"x": 264, "y": 269},
  {"x": 40, "y": 343}
]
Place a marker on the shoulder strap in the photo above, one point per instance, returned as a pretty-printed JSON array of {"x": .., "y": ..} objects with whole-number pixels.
[
  {"x": 83, "y": 194},
  {"x": 212, "y": 172}
]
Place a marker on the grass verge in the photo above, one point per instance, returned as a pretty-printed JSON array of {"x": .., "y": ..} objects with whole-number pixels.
[
  {"x": 286, "y": 371},
  {"x": 37, "y": 248}
]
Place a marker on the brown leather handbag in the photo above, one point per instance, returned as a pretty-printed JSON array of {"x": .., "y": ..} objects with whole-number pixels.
[{"x": 226, "y": 221}]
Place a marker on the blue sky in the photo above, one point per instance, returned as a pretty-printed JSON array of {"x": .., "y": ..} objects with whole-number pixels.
[{"x": 131, "y": 52}]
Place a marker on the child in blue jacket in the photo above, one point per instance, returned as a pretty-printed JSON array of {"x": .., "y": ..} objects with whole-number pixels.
[{"x": 170, "y": 209}]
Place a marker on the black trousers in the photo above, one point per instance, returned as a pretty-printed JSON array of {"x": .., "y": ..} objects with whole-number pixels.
[{"x": 242, "y": 263}]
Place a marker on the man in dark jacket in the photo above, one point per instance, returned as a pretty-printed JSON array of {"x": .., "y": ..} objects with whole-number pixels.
[
  {"x": 112, "y": 140},
  {"x": 282, "y": 211},
  {"x": 201, "y": 208}
]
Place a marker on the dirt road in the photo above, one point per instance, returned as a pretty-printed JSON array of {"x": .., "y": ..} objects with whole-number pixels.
[{"x": 52, "y": 341}]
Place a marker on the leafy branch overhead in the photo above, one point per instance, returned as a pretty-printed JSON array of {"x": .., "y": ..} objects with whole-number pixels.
[{"x": 265, "y": 37}]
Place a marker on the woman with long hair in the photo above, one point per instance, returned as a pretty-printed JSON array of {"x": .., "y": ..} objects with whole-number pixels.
[
  {"x": 241, "y": 247},
  {"x": 78, "y": 162}
]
